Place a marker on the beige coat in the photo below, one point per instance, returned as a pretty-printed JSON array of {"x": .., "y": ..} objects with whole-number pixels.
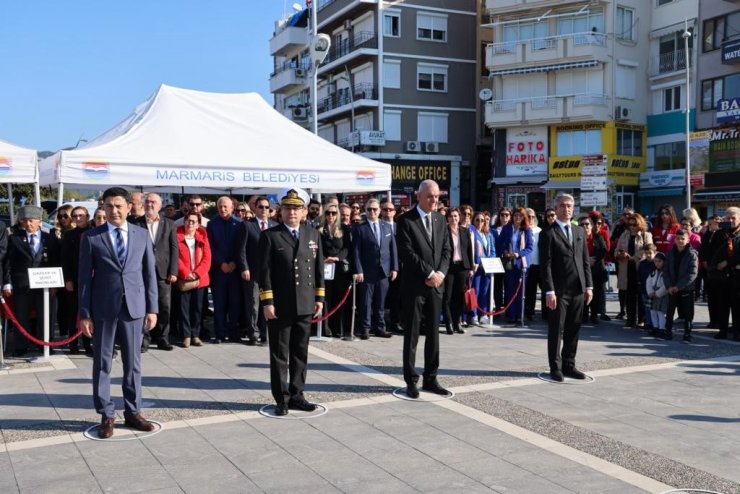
[{"x": 642, "y": 239}]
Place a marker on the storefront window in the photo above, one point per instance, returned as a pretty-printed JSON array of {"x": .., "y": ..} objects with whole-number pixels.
[
  {"x": 579, "y": 142},
  {"x": 671, "y": 156},
  {"x": 517, "y": 201},
  {"x": 629, "y": 142}
]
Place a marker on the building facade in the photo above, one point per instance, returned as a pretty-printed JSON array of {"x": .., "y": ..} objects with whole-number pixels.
[
  {"x": 397, "y": 86},
  {"x": 570, "y": 100}
]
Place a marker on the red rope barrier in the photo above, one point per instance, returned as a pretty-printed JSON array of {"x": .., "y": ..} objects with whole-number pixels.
[
  {"x": 8, "y": 314},
  {"x": 331, "y": 312},
  {"x": 511, "y": 301}
]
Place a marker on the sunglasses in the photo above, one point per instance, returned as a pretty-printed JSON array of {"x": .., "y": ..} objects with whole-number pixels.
[
  {"x": 79, "y": 215},
  {"x": 389, "y": 210},
  {"x": 356, "y": 207},
  {"x": 372, "y": 209},
  {"x": 63, "y": 216},
  {"x": 330, "y": 213},
  {"x": 241, "y": 210},
  {"x": 263, "y": 207},
  {"x": 193, "y": 204},
  {"x": 504, "y": 214},
  {"x": 551, "y": 215}
]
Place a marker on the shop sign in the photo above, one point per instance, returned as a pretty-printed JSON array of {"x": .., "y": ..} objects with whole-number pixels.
[
  {"x": 526, "y": 151},
  {"x": 621, "y": 170},
  {"x": 418, "y": 172},
  {"x": 731, "y": 52},
  {"x": 696, "y": 180},
  {"x": 367, "y": 138},
  {"x": 728, "y": 110},
  {"x": 662, "y": 178}
]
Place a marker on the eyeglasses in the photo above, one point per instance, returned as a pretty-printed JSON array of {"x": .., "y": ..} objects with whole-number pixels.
[
  {"x": 551, "y": 215},
  {"x": 79, "y": 215},
  {"x": 193, "y": 204},
  {"x": 63, "y": 216},
  {"x": 389, "y": 210},
  {"x": 371, "y": 209},
  {"x": 599, "y": 222},
  {"x": 241, "y": 210},
  {"x": 330, "y": 213},
  {"x": 263, "y": 207},
  {"x": 356, "y": 207}
]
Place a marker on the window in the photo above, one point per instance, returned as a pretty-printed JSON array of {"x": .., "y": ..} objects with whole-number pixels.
[
  {"x": 626, "y": 80},
  {"x": 431, "y": 27},
  {"x": 625, "y": 23},
  {"x": 664, "y": 2},
  {"x": 432, "y": 127},
  {"x": 672, "y": 99},
  {"x": 629, "y": 142},
  {"x": 711, "y": 92},
  {"x": 582, "y": 23},
  {"x": 714, "y": 33},
  {"x": 392, "y": 24},
  {"x": 392, "y": 125},
  {"x": 431, "y": 77},
  {"x": 392, "y": 74},
  {"x": 671, "y": 156},
  {"x": 579, "y": 142}
]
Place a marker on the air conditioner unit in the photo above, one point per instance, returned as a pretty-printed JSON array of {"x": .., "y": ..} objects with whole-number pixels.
[
  {"x": 300, "y": 113},
  {"x": 299, "y": 72},
  {"x": 347, "y": 24},
  {"x": 412, "y": 146},
  {"x": 431, "y": 147},
  {"x": 331, "y": 88},
  {"x": 626, "y": 113},
  {"x": 622, "y": 113}
]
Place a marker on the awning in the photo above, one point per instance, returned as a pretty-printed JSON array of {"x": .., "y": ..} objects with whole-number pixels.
[
  {"x": 546, "y": 68},
  {"x": 707, "y": 195},
  {"x": 562, "y": 184},
  {"x": 661, "y": 192},
  {"x": 524, "y": 180}
]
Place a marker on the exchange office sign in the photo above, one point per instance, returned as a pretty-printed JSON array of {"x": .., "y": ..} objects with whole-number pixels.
[{"x": 416, "y": 172}]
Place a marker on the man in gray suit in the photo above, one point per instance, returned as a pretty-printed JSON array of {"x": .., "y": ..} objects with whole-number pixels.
[
  {"x": 566, "y": 280},
  {"x": 118, "y": 297}
]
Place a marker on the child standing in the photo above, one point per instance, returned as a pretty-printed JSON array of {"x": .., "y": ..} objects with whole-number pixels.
[
  {"x": 657, "y": 296},
  {"x": 680, "y": 271},
  {"x": 644, "y": 269}
]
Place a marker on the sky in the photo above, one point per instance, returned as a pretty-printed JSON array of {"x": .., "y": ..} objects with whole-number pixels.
[{"x": 72, "y": 69}]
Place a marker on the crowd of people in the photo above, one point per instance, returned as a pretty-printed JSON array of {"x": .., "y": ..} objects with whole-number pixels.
[{"x": 194, "y": 255}]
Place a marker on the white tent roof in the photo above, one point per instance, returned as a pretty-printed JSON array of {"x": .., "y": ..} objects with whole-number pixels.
[
  {"x": 200, "y": 141},
  {"x": 17, "y": 164}
]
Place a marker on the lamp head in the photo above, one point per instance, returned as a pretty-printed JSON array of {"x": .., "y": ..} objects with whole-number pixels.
[{"x": 320, "y": 47}]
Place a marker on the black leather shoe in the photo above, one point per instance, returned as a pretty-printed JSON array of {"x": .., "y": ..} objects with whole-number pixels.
[
  {"x": 604, "y": 317},
  {"x": 364, "y": 336},
  {"x": 263, "y": 339},
  {"x": 573, "y": 373},
  {"x": 302, "y": 405},
  {"x": 449, "y": 331},
  {"x": 556, "y": 375},
  {"x": 412, "y": 391},
  {"x": 383, "y": 334},
  {"x": 281, "y": 409},
  {"x": 144, "y": 349},
  {"x": 165, "y": 345},
  {"x": 459, "y": 330},
  {"x": 250, "y": 342},
  {"x": 434, "y": 387}
]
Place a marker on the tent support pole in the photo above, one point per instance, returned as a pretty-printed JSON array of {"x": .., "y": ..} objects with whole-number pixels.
[
  {"x": 37, "y": 193},
  {"x": 10, "y": 204},
  {"x": 390, "y": 196},
  {"x": 60, "y": 194}
]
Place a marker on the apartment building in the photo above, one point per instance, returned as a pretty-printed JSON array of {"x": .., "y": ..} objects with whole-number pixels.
[
  {"x": 672, "y": 28},
  {"x": 569, "y": 96},
  {"x": 716, "y": 147},
  {"x": 397, "y": 86}
]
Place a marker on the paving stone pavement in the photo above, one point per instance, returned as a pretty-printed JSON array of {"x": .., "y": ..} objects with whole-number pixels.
[{"x": 658, "y": 416}]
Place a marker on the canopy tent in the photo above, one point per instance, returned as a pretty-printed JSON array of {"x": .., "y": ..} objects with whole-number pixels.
[
  {"x": 186, "y": 140},
  {"x": 18, "y": 165}
]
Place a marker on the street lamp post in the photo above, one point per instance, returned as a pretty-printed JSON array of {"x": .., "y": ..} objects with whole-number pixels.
[
  {"x": 320, "y": 44},
  {"x": 686, "y": 37}
]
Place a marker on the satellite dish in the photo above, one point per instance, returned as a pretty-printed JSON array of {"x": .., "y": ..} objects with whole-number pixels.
[
  {"x": 485, "y": 94},
  {"x": 297, "y": 7}
]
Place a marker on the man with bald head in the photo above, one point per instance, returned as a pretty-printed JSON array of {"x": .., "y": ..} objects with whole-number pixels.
[
  {"x": 223, "y": 235},
  {"x": 166, "y": 255},
  {"x": 424, "y": 252},
  {"x": 136, "y": 199}
]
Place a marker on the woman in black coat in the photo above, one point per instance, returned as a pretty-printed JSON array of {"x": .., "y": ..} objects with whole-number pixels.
[
  {"x": 335, "y": 244},
  {"x": 596, "y": 253},
  {"x": 460, "y": 271}
]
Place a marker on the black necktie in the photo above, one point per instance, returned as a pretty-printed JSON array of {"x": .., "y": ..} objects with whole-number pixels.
[
  {"x": 568, "y": 235},
  {"x": 428, "y": 226},
  {"x": 295, "y": 234}
]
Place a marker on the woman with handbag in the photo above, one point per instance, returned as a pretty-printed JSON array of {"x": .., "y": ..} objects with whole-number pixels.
[
  {"x": 335, "y": 245},
  {"x": 596, "y": 252},
  {"x": 630, "y": 250},
  {"x": 485, "y": 246},
  {"x": 192, "y": 276},
  {"x": 460, "y": 271},
  {"x": 517, "y": 257}
]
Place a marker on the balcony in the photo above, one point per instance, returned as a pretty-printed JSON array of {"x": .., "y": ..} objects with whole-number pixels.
[
  {"x": 288, "y": 79},
  {"x": 361, "y": 40},
  {"x": 548, "y": 109},
  {"x": 363, "y": 94},
  {"x": 668, "y": 63},
  {"x": 288, "y": 41},
  {"x": 500, "y": 6},
  {"x": 550, "y": 49}
]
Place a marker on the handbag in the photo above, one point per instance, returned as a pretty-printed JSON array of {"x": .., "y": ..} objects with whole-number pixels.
[
  {"x": 471, "y": 299},
  {"x": 187, "y": 285}
]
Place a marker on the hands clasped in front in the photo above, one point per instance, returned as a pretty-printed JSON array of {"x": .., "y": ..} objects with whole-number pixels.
[{"x": 88, "y": 328}]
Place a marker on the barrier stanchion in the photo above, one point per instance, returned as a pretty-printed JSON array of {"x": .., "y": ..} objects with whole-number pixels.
[
  {"x": 320, "y": 331},
  {"x": 47, "y": 336},
  {"x": 3, "y": 326},
  {"x": 524, "y": 296},
  {"x": 490, "y": 302},
  {"x": 351, "y": 335}
]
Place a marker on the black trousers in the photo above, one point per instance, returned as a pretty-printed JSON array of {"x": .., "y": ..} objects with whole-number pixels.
[
  {"x": 598, "y": 304},
  {"x": 427, "y": 305},
  {"x": 288, "y": 342},
  {"x": 335, "y": 290},
  {"x": 564, "y": 327},
  {"x": 24, "y": 301},
  {"x": 191, "y": 312},
  {"x": 715, "y": 290},
  {"x": 498, "y": 290},
  {"x": 530, "y": 293},
  {"x": 684, "y": 301},
  {"x": 635, "y": 307},
  {"x": 454, "y": 294},
  {"x": 727, "y": 302},
  {"x": 161, "y": 331}
]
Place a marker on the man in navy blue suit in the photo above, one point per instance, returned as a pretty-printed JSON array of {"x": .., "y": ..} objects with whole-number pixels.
[
  {"x": 376, "y": 264},
  {"x": 118, "y": 299}
]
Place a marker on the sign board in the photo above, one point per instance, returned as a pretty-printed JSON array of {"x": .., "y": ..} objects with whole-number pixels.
[
  {"x": 45, "y": 278},
  {"x": 590, "y": 169},
  {"x": 367, "y": 138},
  {"x": 731, "y": 51},
  {"x": 728, "y": 110},
  {"x": 492, "y": 265},
  {"x": 526, "y": 151},
  {"x": 598, "y": 198},
  {"x": 589, "y": 182}
]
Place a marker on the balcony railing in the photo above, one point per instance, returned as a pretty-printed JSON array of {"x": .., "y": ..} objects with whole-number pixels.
[
  {"x": 324, "y": 3},
  {"x": 362, "y": 39},
  {"x": 345, "y": 96},
  {"x": 290, "y": 65},
  {"x": 550, "y": 108},
  {"x": 550, "y": 42},
  {"x": 669, "y": 62}
]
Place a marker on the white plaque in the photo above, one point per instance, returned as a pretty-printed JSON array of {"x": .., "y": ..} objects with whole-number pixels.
[
  {"x": 329, "y": 268},
  {"x": 492, "y": 265},
  {"x": 593, "y": 182},
  {"x": 589, "y": 169},
  {"x": 594, "y": 198},
  {"x": 45, "y": 277}
]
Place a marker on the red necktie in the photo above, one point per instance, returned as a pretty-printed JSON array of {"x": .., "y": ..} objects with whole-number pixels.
[{"x": 264, "y": 225}]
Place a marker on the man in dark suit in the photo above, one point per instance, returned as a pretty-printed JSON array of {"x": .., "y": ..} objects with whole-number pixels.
[
  {"x": 566, "y": 280},
  {"x": 166, "y": 256},
  {"x": 424, "y": 252},
  {"x": 118, "y": 298},
  {"x": 223, "y": 233},
  {"x": 291, "y": 291},
  {"x": 70, "y": 266},
  {"x": 28, "y": 247},
  {"x": 393, "y": 299},
  {"x": 248, "y": 260},
  {"x": 376, "y": 264}
]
